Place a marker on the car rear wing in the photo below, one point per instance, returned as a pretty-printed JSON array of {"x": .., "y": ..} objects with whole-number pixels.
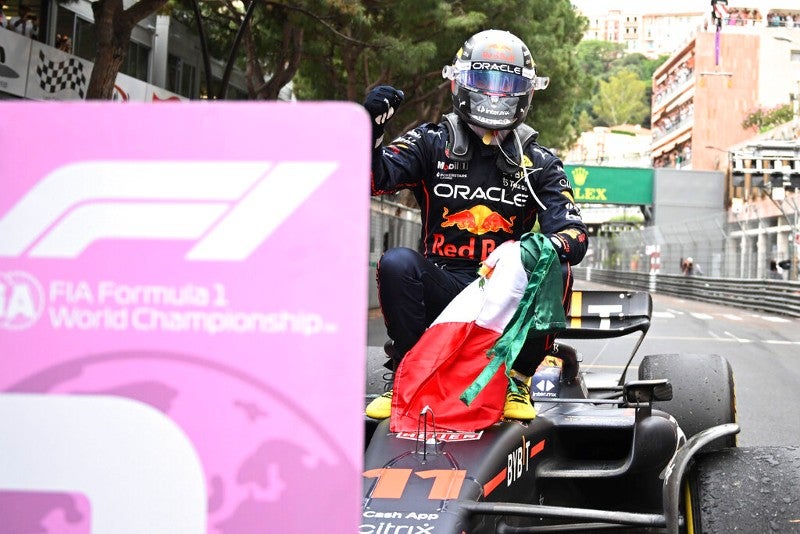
[{"x": 604, "y": 314}]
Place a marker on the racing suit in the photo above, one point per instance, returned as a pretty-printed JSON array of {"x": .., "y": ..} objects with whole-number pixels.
[{"x": 470, "y": 204}]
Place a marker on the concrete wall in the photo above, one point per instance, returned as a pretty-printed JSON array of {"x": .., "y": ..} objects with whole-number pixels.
[{"x": 681, "y": 195}]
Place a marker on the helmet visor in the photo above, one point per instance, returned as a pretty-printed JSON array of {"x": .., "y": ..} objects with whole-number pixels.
[{"x": 495, "y": 82}]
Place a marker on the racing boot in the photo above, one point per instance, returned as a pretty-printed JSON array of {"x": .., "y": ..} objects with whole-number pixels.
[
  {"x": 518, "y": 403},
  {"x": 381, "y": 407}
]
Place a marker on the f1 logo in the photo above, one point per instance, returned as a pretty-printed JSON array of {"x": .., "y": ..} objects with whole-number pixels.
[{"x": 228, "y": 209}]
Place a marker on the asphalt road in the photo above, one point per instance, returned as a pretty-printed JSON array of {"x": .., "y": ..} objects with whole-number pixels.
[{"x": 763, "y": 351}]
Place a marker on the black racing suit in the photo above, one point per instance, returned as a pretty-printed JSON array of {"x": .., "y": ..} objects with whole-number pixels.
[{"x": 469, "y": 206}]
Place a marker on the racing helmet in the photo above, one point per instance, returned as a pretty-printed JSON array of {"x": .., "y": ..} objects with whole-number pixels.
[{"x": 492, "y": 80}]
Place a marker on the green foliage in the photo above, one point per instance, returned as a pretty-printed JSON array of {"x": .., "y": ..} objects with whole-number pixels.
[
  {"x": 621, "y": 99},
  {"x": 553, "y": 36},
  {"x": 598, "y": 58},
  {"x": 349, "y": 46},
  {"x": 406, "y": 44},
  {"x": 641, "y": 65},
  {"x": 601, "y": 61},
  {"x": 767, "y": 118},
  {"x": 584, "y": 121}
]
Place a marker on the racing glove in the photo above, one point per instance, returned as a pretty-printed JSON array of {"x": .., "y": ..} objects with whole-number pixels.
[
  {"x": 570, "y": 245},
  {"x": 381, "y": 104}
]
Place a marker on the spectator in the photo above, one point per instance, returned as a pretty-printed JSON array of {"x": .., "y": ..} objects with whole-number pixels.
[
  {"x": 64, "y": 43},
  {"x": 774, "y": 272},
  {"x": 25, "y": 24},
  {"x": 3, "y": 19},
  {"x": 689, "y": 267}
]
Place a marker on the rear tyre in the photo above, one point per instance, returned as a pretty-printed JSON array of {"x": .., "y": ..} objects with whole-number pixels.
[
  {"x": 746, "y": 490},
  {"x": 703, "y": 392}
]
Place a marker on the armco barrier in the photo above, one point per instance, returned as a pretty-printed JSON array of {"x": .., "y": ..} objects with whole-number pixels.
[{"x": 773, "y": 296}]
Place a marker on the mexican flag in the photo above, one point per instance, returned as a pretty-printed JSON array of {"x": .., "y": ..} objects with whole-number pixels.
[{"x": 454, "y": 369}]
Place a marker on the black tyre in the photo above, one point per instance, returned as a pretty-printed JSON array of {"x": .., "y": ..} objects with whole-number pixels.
[
  {"x": 703, "y": 392},
  {"x": 746, "y": 490}
]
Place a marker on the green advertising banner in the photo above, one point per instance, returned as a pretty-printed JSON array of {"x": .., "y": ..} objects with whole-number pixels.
[{"x": 611, "y": 185}]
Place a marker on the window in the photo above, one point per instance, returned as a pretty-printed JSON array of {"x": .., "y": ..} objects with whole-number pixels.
[
  {"x": 84, "y": 43},
  {"x": 181, "y": 77},
  {"x": 65, "y": 25},
  {"x": 137, "y": 62}
]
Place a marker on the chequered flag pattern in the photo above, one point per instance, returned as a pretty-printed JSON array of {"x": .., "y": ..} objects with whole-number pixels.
[{"x": 59, "y": 75}]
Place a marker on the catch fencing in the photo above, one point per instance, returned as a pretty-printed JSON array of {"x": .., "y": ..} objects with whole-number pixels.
[
  {"x": 739, "y": 249},
  {"x": 391, "y": 225},
  {"x": 733, "y": 258}
]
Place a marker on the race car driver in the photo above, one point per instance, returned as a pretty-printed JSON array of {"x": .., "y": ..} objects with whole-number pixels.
[{"x": 480, "y": 179}]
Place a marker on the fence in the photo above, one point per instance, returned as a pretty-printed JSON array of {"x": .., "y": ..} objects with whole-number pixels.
[
  {"x": 391, "y": 225},
  {"x": 719, "y": 248},
  {"x": 733, "y": 258}
]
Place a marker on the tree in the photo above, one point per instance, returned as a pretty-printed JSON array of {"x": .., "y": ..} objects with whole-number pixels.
[
  {"x": 113, "y": 27},
  {"x": 406, "y": 43},
  {"x": 644, "y": 68},
  {"x": 640, "y": 64},
  {"x": 338, "y": 50},
  {"x": 601, "y": 60},
  {"x": 598, "y": 58},
  {"x": 264, "y": 38},
  {"x": 620, "y": 100}
]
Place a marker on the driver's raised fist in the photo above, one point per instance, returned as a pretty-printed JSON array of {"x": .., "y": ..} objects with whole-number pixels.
[{"x": 381, "y": 103}]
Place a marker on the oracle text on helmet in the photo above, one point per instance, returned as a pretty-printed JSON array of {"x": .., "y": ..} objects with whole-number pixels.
[{"x": 502, "y": 67}]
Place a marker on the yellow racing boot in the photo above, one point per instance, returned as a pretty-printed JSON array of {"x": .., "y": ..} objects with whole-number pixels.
[
  {"x": 380, "y": 407},
  {"x": 518, "y": 403}
]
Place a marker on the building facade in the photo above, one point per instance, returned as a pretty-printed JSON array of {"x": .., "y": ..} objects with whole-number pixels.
[
  {"x": 164, "y": 58},
  {"x": 650, "y": 34},
  {"x": 702, "y": 96},
  {"x": 706, "y": 90}
]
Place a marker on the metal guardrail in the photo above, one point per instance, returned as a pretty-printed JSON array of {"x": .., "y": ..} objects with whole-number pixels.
[{"x": 772, "y": 296}]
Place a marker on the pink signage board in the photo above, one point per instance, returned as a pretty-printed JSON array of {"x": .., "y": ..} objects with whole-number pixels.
[{"x": 183, "y": 307}]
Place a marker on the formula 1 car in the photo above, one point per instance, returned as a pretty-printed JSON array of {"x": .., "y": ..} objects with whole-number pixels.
[{"x": 654, "y": 454}]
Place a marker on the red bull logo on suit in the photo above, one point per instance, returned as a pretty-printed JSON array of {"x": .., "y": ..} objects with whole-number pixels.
[{"x": 478, "y": 220}]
